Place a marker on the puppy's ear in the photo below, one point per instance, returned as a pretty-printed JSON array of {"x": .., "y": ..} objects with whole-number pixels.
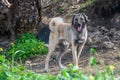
[
  {"x": 73, "y": 16},
  {"x": 86, "y": 17}
]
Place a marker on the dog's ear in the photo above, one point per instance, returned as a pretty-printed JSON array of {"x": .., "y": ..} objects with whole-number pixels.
[
  {"x": 86, "y": 17},
  {"x": 73, "y": 16}
]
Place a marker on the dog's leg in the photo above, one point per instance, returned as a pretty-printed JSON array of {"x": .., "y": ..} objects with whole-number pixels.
[
  {"x": 62, "y": 51},
  {"x": 60, "y": 57},
  {"x": 51, "y": 50},
  {"x": 52, "y": 45},
  {"x": 59, "y": 60},
  {"x": 80, "y": 48},
  {"x": 74, "y": 53}
]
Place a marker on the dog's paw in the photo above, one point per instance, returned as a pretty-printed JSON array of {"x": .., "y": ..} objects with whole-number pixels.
[
  {"x": 46, "y": 70},
  {"x": 76, "y": 67},
  {"x": 81, "y": 41},
  {"x": 63, "y": 67}
]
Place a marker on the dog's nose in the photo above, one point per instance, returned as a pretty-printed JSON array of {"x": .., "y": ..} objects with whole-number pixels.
[{"x": 79, "y": 24}]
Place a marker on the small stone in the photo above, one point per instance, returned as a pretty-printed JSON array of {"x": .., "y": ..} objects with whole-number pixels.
[
  {"x": 108, "y": 45},
  {"x": 28, "y": 62}
]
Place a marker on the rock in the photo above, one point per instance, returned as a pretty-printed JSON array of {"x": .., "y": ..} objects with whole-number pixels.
[
  {"x": 115, "y": 21},
  {"x": 105, "y": 38},
  {"x": 108, "y": 45}
]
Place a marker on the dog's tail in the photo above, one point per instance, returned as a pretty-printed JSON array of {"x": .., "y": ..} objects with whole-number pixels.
[{"x": 54, "y": 23}]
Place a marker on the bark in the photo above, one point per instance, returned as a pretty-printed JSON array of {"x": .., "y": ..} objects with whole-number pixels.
[
  {"x": 106, "y": 8},
  {"x": 26, "y": 15},
  {"x": 20, "y": 16},
  {"x": 4, "y": 9}
]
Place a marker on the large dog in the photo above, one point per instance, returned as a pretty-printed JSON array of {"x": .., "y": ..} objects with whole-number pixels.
[{"x": 67, "y": 35}]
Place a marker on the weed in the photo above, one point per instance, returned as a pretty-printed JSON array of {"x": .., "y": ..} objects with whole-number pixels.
[
  {"x": 26, "y": 46},
  {"x": 10, "y": 71},
  {"x": 74, "y": 74},
  {"x": 60, "y": 9},
  {"x": 92, "y": 60},
  {"x": 86, "y": 4},
  {"x": 19, "y": 72}
]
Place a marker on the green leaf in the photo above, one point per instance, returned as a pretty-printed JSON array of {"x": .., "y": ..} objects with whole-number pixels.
[
  {"x": 19, "y": 51},
  {"x": 92, "y": 61},
  {"x": 92, "y": 51},
  {"x": 2, "y": 58}
]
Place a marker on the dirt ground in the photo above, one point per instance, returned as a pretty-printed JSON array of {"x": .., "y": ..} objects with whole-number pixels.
[{"x": 109, "y": 57}]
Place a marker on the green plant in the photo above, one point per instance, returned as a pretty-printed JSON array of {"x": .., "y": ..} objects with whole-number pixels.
[
  {"x": 60, "y": 9},
  {"x": 75, "y": 74},
  {"x": 16, "y": 71},
  {"x": 86, "y": 4},
  {"x": 19, "y": 72},
  {"x": 92, "y": 60},
  {"x": 53, "y": 1},
  {"x": 26, "y": 46},
  {"x": 71, "y": 73}
]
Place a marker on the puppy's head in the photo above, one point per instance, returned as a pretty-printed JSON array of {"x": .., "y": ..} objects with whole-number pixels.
[{"x": 79, "y": 21}]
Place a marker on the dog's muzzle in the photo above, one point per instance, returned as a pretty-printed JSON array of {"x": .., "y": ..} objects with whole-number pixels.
[{"x": 79, "y": 26}]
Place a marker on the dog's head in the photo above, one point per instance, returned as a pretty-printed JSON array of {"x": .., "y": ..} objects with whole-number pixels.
[{"x": 79, "y": 21}]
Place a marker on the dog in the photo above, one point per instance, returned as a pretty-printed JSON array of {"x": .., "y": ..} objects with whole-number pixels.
[{"x": 67, "y": 35}]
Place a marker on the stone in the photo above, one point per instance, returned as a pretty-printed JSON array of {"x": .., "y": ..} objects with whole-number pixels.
[{"x": 108, "y": 45}]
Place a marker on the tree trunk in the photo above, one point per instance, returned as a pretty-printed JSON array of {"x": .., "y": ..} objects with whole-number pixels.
[
  {"x": 26, "y": 15},
  {"x": 106, "y": 8}
]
